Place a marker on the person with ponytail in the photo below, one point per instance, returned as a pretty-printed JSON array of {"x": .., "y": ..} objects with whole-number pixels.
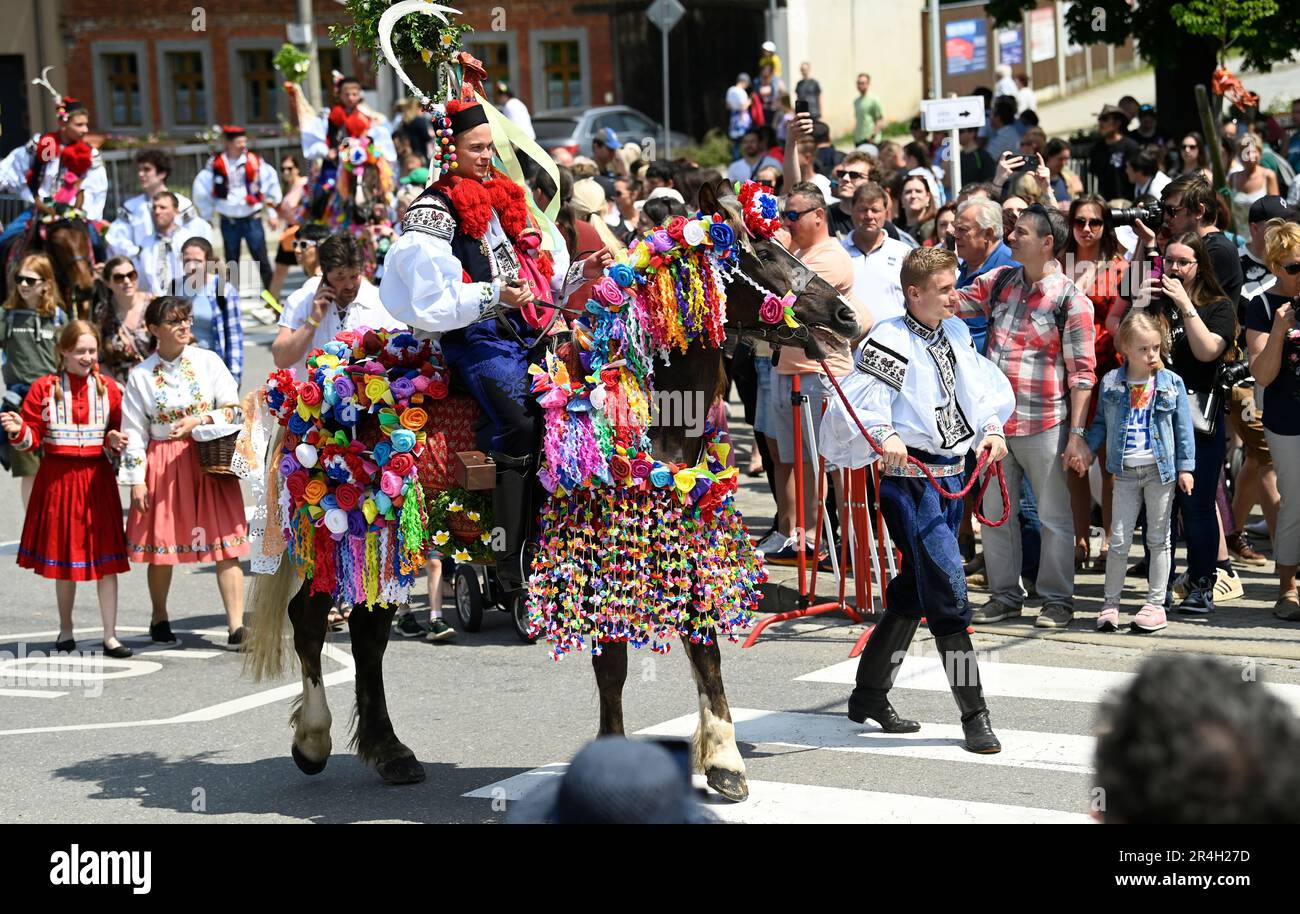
[{"x": 73, "y": 531}]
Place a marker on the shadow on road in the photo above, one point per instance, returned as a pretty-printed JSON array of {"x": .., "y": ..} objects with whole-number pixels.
[{"x": 346, "y": 792}]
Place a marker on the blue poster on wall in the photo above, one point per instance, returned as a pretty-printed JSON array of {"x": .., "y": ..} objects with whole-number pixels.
[
  {"x": 1011, "y": 46},
  {"x": 966, "y": 46}
]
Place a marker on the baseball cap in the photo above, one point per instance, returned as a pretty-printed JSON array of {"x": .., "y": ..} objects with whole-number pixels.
[
  {"x": 608, "y": 137},
  {"x": 769, "y": 46},
  {"x": 1268, "y": 207}
]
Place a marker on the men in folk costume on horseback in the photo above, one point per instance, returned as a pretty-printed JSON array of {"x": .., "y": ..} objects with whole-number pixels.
[
  {"x": 921, "y": 391},
  {"x": 58, "y": 168},
  {"x": 470, "y": 264},
  {"x": 236, "y": 184}
]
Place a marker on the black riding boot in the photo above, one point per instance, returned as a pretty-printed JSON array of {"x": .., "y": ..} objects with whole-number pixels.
[
  {"x": 958, "y": 657},
  {"x": 512, "y": 504},
  {"x": 885, "y": 651}
]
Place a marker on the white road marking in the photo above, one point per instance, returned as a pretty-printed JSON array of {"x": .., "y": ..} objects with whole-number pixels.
[
  {"x": 1015, "y": 680},
  {"x": 774, "y": 802},
  {"x": 939, "y": 741},
  {"x": 66, "y": 669},
  {"x": 214, "y": 712},
  {"x": 29, "y": 693}
]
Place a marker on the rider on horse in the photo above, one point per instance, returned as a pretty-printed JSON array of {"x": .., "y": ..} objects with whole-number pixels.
[
  {"x": 57, "y": 168},
  {"x": 471, "y": 264},
  {"x": 348, "y": 117}
]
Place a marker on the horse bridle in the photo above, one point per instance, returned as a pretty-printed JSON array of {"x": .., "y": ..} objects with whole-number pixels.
[{"x": 801, "y": 278}]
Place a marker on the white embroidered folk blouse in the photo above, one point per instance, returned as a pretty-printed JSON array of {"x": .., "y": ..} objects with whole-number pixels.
[{"x": 160, "y": 393}]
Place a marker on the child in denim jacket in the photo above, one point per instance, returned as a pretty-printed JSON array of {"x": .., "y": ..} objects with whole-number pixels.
[{"x": 1144, "y": 419}]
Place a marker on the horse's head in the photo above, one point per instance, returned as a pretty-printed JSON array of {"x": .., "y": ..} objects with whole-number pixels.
[
  {"x": 765, "y": 267},
  {"x": 67, "y": 242}
]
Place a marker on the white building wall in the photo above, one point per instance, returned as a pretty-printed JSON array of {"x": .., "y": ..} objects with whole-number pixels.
[{"x": 842, "y": 38}]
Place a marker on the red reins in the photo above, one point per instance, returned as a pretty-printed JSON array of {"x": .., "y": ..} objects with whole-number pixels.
[{"x": 951, "y": 496}]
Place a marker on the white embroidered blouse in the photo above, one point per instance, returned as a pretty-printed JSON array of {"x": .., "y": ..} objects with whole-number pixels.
[{"x": 159, "y": 393}]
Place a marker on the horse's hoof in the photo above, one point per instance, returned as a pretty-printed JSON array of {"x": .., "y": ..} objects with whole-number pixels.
[
  {"x": 731, "y": 784},
  {"x": 405, "y": 769},
  {"x": 306, "y": 765}
]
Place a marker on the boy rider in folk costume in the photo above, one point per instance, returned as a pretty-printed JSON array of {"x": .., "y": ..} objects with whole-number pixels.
[
  {"x": 58, "y": 167},
  {"x": 470, "y": 265}
]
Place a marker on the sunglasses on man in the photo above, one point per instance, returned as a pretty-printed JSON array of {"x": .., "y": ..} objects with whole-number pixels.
[{"x": 794, "y": 215}]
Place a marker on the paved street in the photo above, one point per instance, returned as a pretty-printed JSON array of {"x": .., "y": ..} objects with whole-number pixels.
[{"x": 177, "y": 734}]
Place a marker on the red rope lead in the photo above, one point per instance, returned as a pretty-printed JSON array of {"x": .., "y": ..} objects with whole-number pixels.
[{"x": 951, "y": 496}]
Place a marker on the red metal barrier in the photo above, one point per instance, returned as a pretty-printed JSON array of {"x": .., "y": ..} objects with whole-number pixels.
[{"x": 854, "y": 548}]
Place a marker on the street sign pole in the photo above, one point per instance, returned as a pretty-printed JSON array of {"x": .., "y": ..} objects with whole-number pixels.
[
  {"x": 954, "y": 162},
  {"x": 665, "y": 14},
  {"x": 668, "y": 143}
]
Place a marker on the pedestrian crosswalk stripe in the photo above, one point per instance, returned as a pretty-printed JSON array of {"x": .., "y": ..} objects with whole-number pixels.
[
  {"x": 775, "y": 802},
  {"x": 937, "y": 741},
  {"x": 1014, "y": 680}
]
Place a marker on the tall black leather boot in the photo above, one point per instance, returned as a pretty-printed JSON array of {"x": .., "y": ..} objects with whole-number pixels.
[
  {"x": 885, "y": 651},
  {"x": 959, "y": 663},
  {"x": 512, "y": 503}
]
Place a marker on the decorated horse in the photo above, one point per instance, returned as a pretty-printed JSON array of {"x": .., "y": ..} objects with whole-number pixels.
[{"x": 353, "y": 518}]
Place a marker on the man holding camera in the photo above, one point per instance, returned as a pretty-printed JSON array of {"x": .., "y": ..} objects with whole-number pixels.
[{"x": 1189, "y": 204}]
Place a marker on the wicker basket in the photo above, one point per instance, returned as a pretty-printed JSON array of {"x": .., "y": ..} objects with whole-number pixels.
[
  {"x": 215, "y": 455},
  {"x": 464, "y": 529}
]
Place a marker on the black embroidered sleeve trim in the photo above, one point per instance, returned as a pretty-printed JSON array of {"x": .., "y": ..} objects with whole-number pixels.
[
  {"x": 881, "y": 362},
  {"x": 430, "y": 219}
]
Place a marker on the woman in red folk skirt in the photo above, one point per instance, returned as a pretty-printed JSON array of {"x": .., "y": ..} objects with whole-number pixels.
[
  {"x": 73, "y": 528},
  {"x": 179, "y": 513}
]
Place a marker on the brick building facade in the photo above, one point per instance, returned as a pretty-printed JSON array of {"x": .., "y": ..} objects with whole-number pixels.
[{"x": 158, "y": 66}]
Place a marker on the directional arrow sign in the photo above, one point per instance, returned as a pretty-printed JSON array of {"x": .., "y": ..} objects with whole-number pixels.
[
  {"x": 953, "y": 113},
  {"x": 665, "y": 13}
]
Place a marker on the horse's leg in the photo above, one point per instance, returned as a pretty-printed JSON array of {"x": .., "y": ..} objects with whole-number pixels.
[
  {"x": 610, "y": 666},
  {"x": 715, "y": 738},
  {"x": 374, "y": 740},
  {"x": 311, "y": 717}
]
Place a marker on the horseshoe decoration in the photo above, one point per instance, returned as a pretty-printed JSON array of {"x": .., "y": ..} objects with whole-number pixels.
[{"x": 389, "y": 19}]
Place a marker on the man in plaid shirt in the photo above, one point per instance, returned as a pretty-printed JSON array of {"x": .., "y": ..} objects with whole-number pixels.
[{"x": 1041, "y": 336}]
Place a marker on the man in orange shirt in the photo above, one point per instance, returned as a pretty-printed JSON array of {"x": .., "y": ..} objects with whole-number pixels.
[{"x": 805, "y": 218}]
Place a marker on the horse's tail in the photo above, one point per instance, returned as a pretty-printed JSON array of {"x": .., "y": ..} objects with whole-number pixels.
[{"x": 269, "y": 600}]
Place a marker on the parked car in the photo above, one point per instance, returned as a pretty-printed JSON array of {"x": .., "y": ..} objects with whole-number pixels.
[{"x": 574, "y": 128}]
